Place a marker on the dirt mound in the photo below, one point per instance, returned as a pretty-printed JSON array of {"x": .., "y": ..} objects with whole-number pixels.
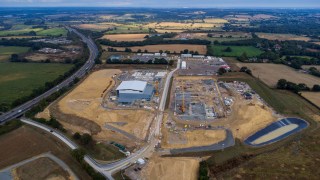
[{"x": 86, "y": 124}]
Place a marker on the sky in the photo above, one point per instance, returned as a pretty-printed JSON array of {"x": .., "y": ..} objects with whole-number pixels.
[{"x": 164, "y": 3}]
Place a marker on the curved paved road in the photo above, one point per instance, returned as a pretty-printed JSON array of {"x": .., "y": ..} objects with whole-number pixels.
[
  {"x": 47, "y": 155},
  {"x": 18, "y": 111},
  {"x": 227, "y": 142}
]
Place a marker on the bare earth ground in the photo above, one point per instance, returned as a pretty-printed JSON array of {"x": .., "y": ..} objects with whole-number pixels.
[
  {"x": 248, "y": 118},
  {"x": 45, "y": 169},
  {"x": 193, "y": 138},
  {"x": 52, "y": 57},
  {"x": 84, "y": 103},
  {"x": 202, "y": 49},
  {"x": 282, "y": 37},
  {"x": 26, "y": 142},
  {"x": 171, "y": 168},
  {"x": 196, "y": 138},
  {"x": 313, "y": 97},
  {"x": 125, "y": 37},
  {"x": 271, "y": 73}
]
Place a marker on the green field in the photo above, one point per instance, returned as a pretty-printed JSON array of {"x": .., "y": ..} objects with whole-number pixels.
[
  {"x": 217, "y": 50},
  {"x": 20, "y": 30},
  {"x": 19, "y": 79},
  {"x": 14, "y": 32},
  {"x": 6, "y": 51},
  {"x": 130, "y": 28},
  {"x": 53, "y": 32}
]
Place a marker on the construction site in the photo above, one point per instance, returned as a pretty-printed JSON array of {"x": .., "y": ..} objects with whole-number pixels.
[
  {"x": 135, "y": 89},
  {"x": 202, "y": 109},
  {"x": 199, "y": 99},
  {"x": 199, "y": 65}
]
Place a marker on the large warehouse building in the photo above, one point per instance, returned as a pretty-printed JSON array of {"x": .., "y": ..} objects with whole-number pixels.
[{"x": 129, "y": 91}]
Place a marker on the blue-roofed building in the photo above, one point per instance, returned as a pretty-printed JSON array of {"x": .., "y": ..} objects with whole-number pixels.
[{"x": 130, "y": 91}]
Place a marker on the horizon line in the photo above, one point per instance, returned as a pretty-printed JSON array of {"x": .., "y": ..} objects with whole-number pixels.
[{"x": 226, "y": 7}]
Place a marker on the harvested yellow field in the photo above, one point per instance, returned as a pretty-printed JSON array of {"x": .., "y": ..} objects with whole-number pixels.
[
  {"x": 109, "y": 16},
  {"x": 125, "y": 37},
  {"x": 168, "y": 168},
  {"x": 85, "y": 102},
  {"x": 271, "y": 73},
  {"x": 168, "y": 30},
  {"x": 215, "y": 21},
  {"x": 195, "y": 138},
  {"x": 202, "y": 49},
  {"x": 282, "y": 37},
  {"x": 314, "y": 97}
]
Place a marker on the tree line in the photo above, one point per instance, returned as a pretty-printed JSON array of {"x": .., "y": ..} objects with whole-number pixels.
[
  {"x": 296, "y": 88},
  {"x": 151, "y": 41},
  {"x": 291, "y": 53},
  {"x": 162, "y": 61}
]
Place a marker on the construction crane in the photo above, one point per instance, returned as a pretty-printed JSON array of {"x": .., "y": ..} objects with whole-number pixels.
[
  {"x": 157, "y": 89},
  {"x": 182, "y": 107}
]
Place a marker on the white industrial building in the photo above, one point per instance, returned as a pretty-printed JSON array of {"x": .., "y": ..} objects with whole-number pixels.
[
  {"x": 183, "y": 65},
  {"x": 129, "y": 91}
]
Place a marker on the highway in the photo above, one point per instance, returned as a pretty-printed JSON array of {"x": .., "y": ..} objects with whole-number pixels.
[{"x": 18, "y": 111}]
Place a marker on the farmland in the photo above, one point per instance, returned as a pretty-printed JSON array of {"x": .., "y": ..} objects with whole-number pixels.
[
  {"x": 125, "y": 37},
  {"x": 183, "y": 26},
  {"x": 202, "y": 49},
  {"x": 6, "y": 51},
  {"x": 19, "y": 31},
  {"x": 96, "y": 27},
  {"x": 309, "y": 66},
  {"x": 45, "y": 168},
  {"x": 53, "y": 32},
  {"x": 314, "y": 97},
  {"x": 38, "y": 31},
  {"x": 282, "y": 37},
  {"x": 271, "y": 73},
  {"x": 26, "y": 142},
  {"x": 217, "y": 50},
  {"x": 19, "y": 79},
  {"x": 219, "y": 36}
]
